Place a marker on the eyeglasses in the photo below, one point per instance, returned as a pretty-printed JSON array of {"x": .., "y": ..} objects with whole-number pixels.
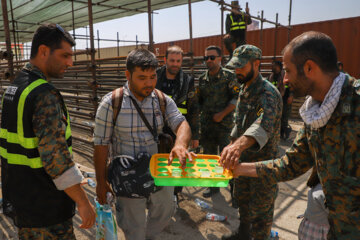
[{"x": 212, "y": 58}]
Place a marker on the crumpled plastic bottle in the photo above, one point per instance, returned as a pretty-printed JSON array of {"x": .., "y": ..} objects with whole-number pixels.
[
  {"x": 274, "y": 234},
  {"x": 202, "y": 204},
  {"x": 215, "y": 217}
]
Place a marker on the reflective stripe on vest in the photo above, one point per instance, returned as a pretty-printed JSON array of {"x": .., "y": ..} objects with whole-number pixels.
[
  {"x": 237, "y": 25},
  {"x": 18, "y": 138},
  {"x": 181, "y": 109}
]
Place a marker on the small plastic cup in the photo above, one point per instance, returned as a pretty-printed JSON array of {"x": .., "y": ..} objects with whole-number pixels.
[
  {"x": 176, "y": 173},
  {"x": 218, "y": 169},
  {"x": 205, "y": 174}
]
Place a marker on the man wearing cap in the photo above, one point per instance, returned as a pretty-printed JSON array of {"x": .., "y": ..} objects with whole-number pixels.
[
  {"x": 256, "y": 136},
  {"x": 235, "y": 26},
  {"x": 217, "y": 94}
]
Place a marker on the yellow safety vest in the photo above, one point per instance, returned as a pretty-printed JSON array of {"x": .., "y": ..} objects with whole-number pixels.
[
  {"x": 182, "y": 108},
  {"x": 27, "y": 143},
  {"x": 237, "y": 25}
]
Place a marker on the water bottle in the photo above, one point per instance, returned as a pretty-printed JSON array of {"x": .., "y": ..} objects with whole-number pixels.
[
  {"x": 89, "y": 174},
  {"x": 274, "y": 234},
  {"x": 202, "y": 204},
  {"x": 91, "y": 183},
  {"x": 110, "y": 198},
  {"x": 215, "y": 217}
]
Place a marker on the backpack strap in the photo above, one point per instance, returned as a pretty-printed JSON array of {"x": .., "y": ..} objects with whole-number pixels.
[
  {"x": 162, "y": 101},
  {"x": 116, "y": 100}
]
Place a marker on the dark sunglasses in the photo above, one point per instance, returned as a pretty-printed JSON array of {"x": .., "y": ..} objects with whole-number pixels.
[{"x": 212, "y": 58}]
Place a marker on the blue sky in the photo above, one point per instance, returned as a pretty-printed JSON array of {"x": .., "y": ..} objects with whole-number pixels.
[{"x": 173, "y": 23}]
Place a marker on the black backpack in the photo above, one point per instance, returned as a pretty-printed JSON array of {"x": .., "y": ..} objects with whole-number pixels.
[{"x": 130, "y": 177}]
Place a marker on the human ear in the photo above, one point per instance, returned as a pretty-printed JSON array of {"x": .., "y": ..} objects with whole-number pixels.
[{"x": 128, "y": 75}]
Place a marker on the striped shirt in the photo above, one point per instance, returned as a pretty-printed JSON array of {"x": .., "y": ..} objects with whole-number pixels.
[{"x": 131, "y": 135}]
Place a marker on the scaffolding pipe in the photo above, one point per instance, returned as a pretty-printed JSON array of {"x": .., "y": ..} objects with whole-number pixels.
[
  {"x": 222, "y": 27},
  {"x": 7, "y": 39},
  {"x": 13, "y": 28},
  {"x": 276, "y": 33},
  {"x": 238, "y": 12},
  {"x": 191, "y": 39},
  {"x": 73, "y": 25},
  {"x": 98, "y": 41},
  {"x": 290, "y": 8},
  {"x": 151, "y": 42},
  {"x": 92, "y": 84},
  {"x": 261, "y": 29}
]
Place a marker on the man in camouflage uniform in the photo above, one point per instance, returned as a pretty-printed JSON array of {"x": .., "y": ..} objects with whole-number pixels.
[
  {"x": 329, "y": 138},
  {"x": 256, "y": 134},
  {"x": 40, "y": 181},
  {"x": 277, "y": 79},
  {"x": 217, "y": 94}
]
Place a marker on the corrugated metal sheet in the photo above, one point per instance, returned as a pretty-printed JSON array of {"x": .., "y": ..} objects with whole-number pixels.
[
  {"x": 28, "y": 14},
  {"x": 344, "y": 32}
]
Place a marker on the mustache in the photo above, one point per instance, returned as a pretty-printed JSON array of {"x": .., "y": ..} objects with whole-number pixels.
[{"x": 148, "y": 88}]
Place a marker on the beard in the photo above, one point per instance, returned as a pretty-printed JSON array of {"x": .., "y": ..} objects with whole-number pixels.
[
  {"x": 244, "y": 79},
  {"x": 173, "y": 70},
  {"x": 54, "y": 69},
  {"x": 301, "y": 86}
]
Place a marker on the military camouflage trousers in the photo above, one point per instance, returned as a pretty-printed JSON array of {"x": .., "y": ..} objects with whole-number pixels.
[
  {"x": 61, "y": 231},
  {"x": 344, "y": 226},
  {"x": 214, "y": 137},
  {"x": 256, "y": 207}
]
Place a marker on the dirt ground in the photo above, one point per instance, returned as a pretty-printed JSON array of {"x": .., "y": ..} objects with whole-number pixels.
[{"x": 189, "y": 222}]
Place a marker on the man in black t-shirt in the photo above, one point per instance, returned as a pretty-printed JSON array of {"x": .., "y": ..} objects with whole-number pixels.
[{"x": 180, "y": 87}]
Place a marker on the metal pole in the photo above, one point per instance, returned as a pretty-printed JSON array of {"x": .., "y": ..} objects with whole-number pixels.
[
  {"x": 13, "y": 28},
  {"x": 276, "y": 33},
  {"x": 261, "y": 29},
  {"x": 151, "y": 43},
  {"x": 246, "y": 21},
  {"x": 7, "y": 39},
  {"x": 191, "y": 52},
  {"x": 98, "y": 40},
  {"x": 73, "y": 24},
  {"x": 290, "y": 8},
  {"x": 117, "y": 44},
  {"x": 222, "y": 27},
  {"x": 18, "y": 39},
  {"x": 93, "y": 84},
  {"x": 136, "y": 41}
]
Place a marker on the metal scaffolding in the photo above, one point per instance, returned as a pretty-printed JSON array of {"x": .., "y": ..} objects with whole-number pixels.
[{"x": 93, "y": 77}]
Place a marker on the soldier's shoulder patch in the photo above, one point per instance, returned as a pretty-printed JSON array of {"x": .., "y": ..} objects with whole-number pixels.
[
  {"x": 346, "y": 108},
  {"x": 236, "y": 89},
  {"x": 191, "y": 94}
]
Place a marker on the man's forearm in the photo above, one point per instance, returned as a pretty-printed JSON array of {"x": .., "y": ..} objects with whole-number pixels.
[
  {"x": 100, "y": 159},
  {"x": 245, "y": 142},
  {"x": 183, "y": 134},
  {"x": 245, "y": 169},
  {"x": 77, "y": 194}
]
